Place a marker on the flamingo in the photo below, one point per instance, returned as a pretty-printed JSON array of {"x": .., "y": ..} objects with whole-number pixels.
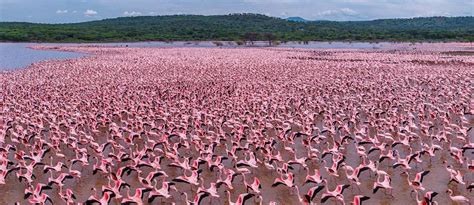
[
  {"x": 164, "y": 191},
  {"x": 470, "y": 187},
  {"x": 416, "y": 184},
  {"x": 455, "y": 176},
  {"x": 37, "y": 191},
  {"x": 251, "y": 162},
  {"x": 197, "y": 199},
  {"x": 315, "y": 178},
  {"x": 115, "y": 186},
  {"x": 192, "y": 179},
  {"x": 59, "y": 180},
  {"x": 307, "y": 198},
  {"x": 287, "y": 181},
  {"x": 241, "y": 199},
  {"x": 385, "y": 184},
  {"x": 68, "y": 196},
  {"x": 4, "y": 174},
  {"x": 255, "y": 186},
  {"x": 56, "y": 168},
  {"x": 151, "y": 176},
  {"x": 430, "y": 195},
  {"x": 336, "y": 193},
  {"x": 228, "y": 180},
  {"x": 137, "y": 198},
  {"x": 212, "y": 190},
  {"x": 352, "y": 174},
  {"x": 310, "y": 195},
  {"x": 104, "y": 200},
  {"x": 458, "y": 199},
  {"x": 41, "y": 199},
  {"x": 358, "y": 199}
]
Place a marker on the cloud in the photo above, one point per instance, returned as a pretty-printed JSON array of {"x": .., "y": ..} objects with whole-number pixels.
[
  {"x": 338, "y": 12},
  {"x": 90, "y": 12},
  {"x": 61, "y": 11},
  {"x": 348, "y": 11},
  {"x": 132, "y": 13}
]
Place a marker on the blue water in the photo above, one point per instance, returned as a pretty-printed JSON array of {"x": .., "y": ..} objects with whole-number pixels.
[{"x": 18, "y": 55}]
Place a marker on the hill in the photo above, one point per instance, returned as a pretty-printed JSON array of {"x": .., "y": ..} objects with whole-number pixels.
[
  {"x": 247, "y": 27},
  {"x": 297, "y": 19}
]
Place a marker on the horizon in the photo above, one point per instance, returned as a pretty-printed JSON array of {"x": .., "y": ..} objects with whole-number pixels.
[
  {"x": 70, "y": 11},
  {"x": 283, "y": 18}
]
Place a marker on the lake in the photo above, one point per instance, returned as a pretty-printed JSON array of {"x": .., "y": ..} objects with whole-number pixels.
[{"x": 18, "y": 55}]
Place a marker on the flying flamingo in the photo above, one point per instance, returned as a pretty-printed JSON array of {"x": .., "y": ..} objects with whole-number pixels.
[
  {"x": 192, "y": 179},
  {"x": 56, "y": 168},
  {"x": 41, "y": 199},
  {"x": 310, "y": 195},
  {"x": 385, "y": 184},
  {"x": 60, "y": 179},
  {"x": 115, "y": 186},
  {"x": 358, "y": 199},
  {"x": 287, "y": 181},
  {"x": 137, "y": 198},
  {"x": 68, "y": 195},
  {"x": 416, "y": 183},
  {"x": 228, "y": 180},
  {"x": 164, "y": 191},
  {"x": 212, "y": 190},
  {"x": 336, "y": 193},
  {"x": 197, "y": 199},
  {"x": 315, "y": 178},
  {"x": 430, "y": 195},
  {"x": 37, "y": 191},
  {"x": 241, "y": 199},
  {"x": 104, "y": 200},
  {"x": 255, "y": 186}
]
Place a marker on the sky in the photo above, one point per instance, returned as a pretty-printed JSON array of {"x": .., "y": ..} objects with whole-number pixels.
[{"x": 64, "y": 11}]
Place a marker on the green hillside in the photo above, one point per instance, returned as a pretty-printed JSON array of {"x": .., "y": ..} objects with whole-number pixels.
[{"x": 241, "y": 27}]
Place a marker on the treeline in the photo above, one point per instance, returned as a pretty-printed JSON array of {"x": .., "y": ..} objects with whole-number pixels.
[{"x": 241, "y": 27}]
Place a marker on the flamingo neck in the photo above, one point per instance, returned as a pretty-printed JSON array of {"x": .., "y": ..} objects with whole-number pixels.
[{"x": 228, "y": 195}]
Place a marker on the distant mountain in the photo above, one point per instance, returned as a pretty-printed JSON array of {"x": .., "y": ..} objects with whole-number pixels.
[
  {"x": 296, "y": 19},
  {"x": 241, "y": 27}
]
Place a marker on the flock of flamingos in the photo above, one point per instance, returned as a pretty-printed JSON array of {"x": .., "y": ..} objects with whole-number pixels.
[{"x": 239, "y": 126}]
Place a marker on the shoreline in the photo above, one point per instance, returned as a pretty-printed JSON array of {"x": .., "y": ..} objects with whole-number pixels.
[{"x": 210, "y": 41}]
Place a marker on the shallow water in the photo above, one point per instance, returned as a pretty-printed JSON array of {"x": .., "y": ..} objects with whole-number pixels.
[{"x": 18, "y": 55}]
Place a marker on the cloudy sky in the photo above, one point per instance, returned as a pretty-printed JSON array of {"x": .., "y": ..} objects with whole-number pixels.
[{"x": 59, "y": 11}]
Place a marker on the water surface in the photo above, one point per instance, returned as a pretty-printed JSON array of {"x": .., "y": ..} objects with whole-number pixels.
[{"x": 18, "y": 55}]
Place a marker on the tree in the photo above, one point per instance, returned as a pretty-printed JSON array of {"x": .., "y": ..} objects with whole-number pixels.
[
  {"x": 269, "y": 37},
  {"x": 250, "y": 36}
]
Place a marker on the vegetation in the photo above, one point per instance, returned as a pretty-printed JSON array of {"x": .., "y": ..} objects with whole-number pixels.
[{"x": 241, "y": 28}]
